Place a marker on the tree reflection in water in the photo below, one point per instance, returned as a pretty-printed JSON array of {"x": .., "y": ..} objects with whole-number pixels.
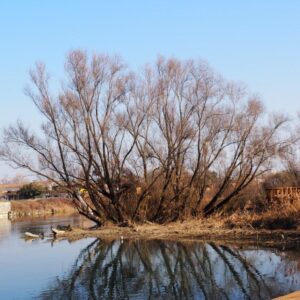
[{"x": 164, "y": 270}]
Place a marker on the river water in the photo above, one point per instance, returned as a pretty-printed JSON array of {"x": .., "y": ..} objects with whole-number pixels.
[{"x": 136, "y": 269}]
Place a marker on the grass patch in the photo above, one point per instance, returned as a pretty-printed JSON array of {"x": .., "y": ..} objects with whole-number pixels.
[
  {"x": 286, "y": 217},
  {"x": 49, "y": 206}
]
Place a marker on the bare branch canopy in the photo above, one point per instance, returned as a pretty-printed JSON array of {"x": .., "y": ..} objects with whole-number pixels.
[{"x": 172, "y": 141}]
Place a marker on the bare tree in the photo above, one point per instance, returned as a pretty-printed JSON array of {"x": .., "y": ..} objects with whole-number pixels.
[
  {"x": 17, "y": 179},
  {"x": 174, "y": 141},
  {"x": 84, "y": 146},
  {"x": 204, "y": 141}
]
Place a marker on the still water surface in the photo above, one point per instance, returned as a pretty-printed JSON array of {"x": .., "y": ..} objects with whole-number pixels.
[{"x": 94, "y": 269}]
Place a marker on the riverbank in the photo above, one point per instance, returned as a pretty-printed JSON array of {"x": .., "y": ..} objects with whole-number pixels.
[
  {"x": 200, "y": 230},
  {"x": 41, "y": 207},
  {"x": 276, "y": 226}
]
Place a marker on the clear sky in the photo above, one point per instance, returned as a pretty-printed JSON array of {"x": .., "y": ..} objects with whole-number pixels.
[{"x": 254, "y": 41}]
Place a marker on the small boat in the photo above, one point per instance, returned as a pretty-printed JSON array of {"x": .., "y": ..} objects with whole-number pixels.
[{"x": 33, "y": 235}]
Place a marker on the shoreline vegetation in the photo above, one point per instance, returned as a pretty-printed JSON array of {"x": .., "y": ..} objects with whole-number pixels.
[
  {"x": 195, "y": 230},
  {"x": 279, "y": 225},
  {"x": 41, "y": 207},
  {"x": 270, "y": 228}
]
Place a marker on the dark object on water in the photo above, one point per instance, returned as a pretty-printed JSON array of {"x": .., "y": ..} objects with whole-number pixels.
[
  {"x": 94, "y": 227},
  {"x": 64, "y": 227}
]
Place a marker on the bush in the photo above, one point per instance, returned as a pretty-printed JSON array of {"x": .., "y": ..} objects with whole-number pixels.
[{"x": 29, "y": 191}]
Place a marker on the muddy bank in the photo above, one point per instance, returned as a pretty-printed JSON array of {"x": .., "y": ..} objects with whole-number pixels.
[
  {"x": 190, "y": 230},
  {"x": 41, "y": 207}
]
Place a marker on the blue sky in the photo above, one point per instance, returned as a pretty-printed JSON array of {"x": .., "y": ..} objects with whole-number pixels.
[{"x": 256, "y": 42}]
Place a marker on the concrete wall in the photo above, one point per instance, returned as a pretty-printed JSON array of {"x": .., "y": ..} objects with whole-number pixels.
[{"x": 5, "y": 208}]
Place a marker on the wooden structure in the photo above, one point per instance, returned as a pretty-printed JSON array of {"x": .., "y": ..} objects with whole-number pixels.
[
  {"x": 290, "y": 194},
  {"x": 292, "y": 296}
]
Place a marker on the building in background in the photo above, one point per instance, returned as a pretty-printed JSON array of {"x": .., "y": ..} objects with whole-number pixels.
[{"x": 48, "y": 190}]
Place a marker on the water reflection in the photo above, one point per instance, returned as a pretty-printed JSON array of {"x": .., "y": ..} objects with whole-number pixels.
[
  {"x": 5, "y": 227},
  {"x": 43, "y": 224},
  {"x": 172, "y": 270}
]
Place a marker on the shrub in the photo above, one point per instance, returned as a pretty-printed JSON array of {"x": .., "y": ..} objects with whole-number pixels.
[{"x": 29, "y": 191}]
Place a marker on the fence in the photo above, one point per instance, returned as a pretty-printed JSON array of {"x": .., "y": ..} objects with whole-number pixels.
[{"x": 284, "y": 194}]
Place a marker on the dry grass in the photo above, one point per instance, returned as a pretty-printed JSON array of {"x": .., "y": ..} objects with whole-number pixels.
[
  {"x": 51, "y": 206},
  {"x": 278, "y": 216},
  {"x": 205, "y": 230},
  {"x": 279, "y": 224}
]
